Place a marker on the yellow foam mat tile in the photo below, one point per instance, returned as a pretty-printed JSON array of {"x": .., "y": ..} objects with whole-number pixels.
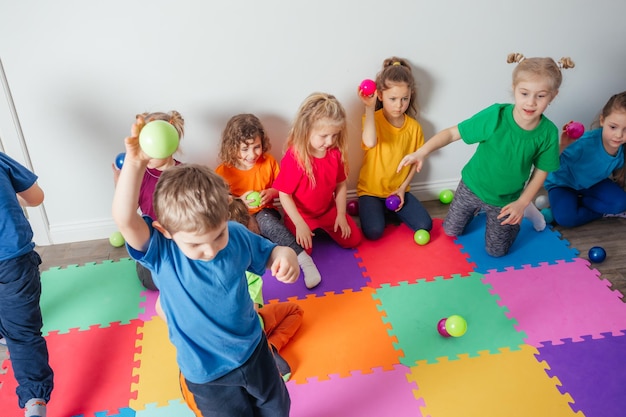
[{"x": 507, "y": 384}]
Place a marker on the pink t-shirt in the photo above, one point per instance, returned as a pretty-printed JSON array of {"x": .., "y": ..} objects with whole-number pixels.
[
  {"x": 146, "y": 192},
  {"x": 328, "y": 172}
]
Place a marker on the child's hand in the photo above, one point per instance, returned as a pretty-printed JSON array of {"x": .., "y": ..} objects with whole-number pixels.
[
  {"x": 341, "y": 223},
  {"x": 368, "y": 101},
  {"x": 133, "y": 150},
  {"x": 285, "y": 264},
  {"x": 268, "y": 196},
  {"x": 412, "y": 158},
  {"x": 514, "y": 211},
  {"x": 400, "y": 193},
  {"x": 304, "y": 236},
  {"x": 247, "y": 202}
]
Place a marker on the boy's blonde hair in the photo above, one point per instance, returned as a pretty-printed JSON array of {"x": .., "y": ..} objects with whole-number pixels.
[
  {"x": 242, "y": 128},
  {"x": 191, "y": 198},
  {"x": 543, "y": 67},
  {"x": 315, "y": 108}
]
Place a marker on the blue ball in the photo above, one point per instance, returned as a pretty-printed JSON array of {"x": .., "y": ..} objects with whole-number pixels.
[
  {"x": 547, "y": 214},
  {"x": 119, "y": 160},
  {"x": 597, "y": 254}
]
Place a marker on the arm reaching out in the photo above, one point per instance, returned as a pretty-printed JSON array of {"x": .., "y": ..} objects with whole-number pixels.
[
  {"x": 441, "y": 139},
  {"x": 130, "y": 223}
]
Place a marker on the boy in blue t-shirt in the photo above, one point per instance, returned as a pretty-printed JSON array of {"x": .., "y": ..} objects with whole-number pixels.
[
  {"x": 199, "y": 260},
  {"x": 20, "y": 315}
]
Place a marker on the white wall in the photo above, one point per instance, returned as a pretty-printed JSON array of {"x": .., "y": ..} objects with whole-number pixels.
[{"x": 80, "y": 70}]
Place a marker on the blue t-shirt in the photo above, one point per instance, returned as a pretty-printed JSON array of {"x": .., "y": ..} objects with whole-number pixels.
[
  {"x": 210, "y": 317},
  {"x": 585, "y": 163},
  {"x": 17, "y": 236}
]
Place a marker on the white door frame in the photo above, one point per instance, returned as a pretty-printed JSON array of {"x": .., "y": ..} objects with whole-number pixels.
[{"x": 12, "y": 143}]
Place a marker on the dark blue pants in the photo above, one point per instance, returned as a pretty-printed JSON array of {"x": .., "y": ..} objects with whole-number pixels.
[
  {"x": 20, "y": 324},
  {"x": 372, "y": 212},
  {"x": 572, "y": 208},
  {"x": 255, "y": 389}
]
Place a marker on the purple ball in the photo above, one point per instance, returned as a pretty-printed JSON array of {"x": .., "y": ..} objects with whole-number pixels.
[
  {"x": 392, "y": 202},
  {"x": 353, "y": 208},
  {"x": 441, "y": 327}
]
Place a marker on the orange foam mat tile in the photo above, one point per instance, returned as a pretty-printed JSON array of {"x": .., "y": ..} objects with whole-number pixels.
[{"x": 340, "y": 333}]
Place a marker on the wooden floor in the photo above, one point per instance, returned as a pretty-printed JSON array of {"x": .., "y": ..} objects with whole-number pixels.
[{"x": 603, "y": 232}]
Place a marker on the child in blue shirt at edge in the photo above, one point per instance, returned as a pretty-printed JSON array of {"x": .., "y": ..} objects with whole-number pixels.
[
  {"x": 512, "y": 138},
  {"x": 20, "y": 314},
  {"x": 198, "y": 260},
  {"x": 581, "y": 190}
]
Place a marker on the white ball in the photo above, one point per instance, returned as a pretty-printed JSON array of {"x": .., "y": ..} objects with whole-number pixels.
[{"x": 542, "y": 202}]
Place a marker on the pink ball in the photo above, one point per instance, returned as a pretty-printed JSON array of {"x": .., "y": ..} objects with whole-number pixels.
[
  {"x": 353, "y": 208},
  {"x": 367, "y": 87},
  {"x": 574, "y": 129},
  {"x": 393, "y": 202},
  {"x": 441, "y": 327}
]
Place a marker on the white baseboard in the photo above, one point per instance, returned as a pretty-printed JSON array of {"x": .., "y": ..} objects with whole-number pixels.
[{"x": 102, "y": 229}]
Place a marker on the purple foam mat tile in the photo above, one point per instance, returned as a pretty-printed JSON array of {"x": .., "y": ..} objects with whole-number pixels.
[
  {"x": 593, "y": 372},
  {"x": 339, "y": 268}
]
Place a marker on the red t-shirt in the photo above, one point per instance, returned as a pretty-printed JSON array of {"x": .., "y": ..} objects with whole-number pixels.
[{"x": 311, "y": 201}]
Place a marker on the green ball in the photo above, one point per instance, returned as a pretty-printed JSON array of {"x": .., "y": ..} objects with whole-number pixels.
[
  {"x": 158, "y": 139},
  {"x": 421, "y": 237},
  {"x": 116, "y": 240},
  {"x": 446, "y": 196},
  {"x": 254, "y": 199},
  {"x": 456, "y": 326}
]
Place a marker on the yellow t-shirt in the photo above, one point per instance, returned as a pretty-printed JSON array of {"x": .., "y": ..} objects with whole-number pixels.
[
  {"x": 260, "y": 177},
  {"x": 378, "y": 175}
]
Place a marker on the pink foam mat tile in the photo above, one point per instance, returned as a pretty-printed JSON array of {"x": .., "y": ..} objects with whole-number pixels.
[
  {"x": 557, "y": 301},
  {"x": 379, "y": 393}
]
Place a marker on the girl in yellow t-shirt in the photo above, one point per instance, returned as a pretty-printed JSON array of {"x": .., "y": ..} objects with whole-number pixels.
[{"x": 390, "y": 131}]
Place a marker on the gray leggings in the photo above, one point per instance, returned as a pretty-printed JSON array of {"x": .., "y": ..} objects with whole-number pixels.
[
  {"x": 273, "y": 228},
  {"x": 498, "y": 238}
]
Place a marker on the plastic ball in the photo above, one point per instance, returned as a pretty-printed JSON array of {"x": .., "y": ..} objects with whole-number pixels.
[
  {"x": 441, "y": 327},
  {"x": 542, "y": 202},
  {"x": 158, "y": 139},
  {"x": 574, "y": 130},
  {"x": 446, "y": 196},
  {"x": 353, "y": 208},
  {"x": 456, "y": 326},
  {"x": 393, "y": 202},
  {"x": 367, "y": 87},
  {"x": 421, "y": 237},
  {"x": 597, "y": 254},
  {"x": 547, "y": 214},
  {"x": 254, "y": 199},
  {"x": 116, "y": 240},
  {"x": 119, "y": 160}
]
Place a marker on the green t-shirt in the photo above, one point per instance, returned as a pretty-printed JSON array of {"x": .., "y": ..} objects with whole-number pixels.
[{"x": 506, "y": 153}]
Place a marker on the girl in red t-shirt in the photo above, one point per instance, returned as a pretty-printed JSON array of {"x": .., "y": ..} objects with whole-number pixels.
[{"x": 312, "y": 181}]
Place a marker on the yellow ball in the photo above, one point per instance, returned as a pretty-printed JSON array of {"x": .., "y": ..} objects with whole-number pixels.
[{"x": 116, "y": 240}]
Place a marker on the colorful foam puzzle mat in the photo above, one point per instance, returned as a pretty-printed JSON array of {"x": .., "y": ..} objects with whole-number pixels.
[{"x": 546, "y": 334}]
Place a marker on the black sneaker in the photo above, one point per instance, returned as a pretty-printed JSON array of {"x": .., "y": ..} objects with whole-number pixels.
[{"x": 283, "y": 366}]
